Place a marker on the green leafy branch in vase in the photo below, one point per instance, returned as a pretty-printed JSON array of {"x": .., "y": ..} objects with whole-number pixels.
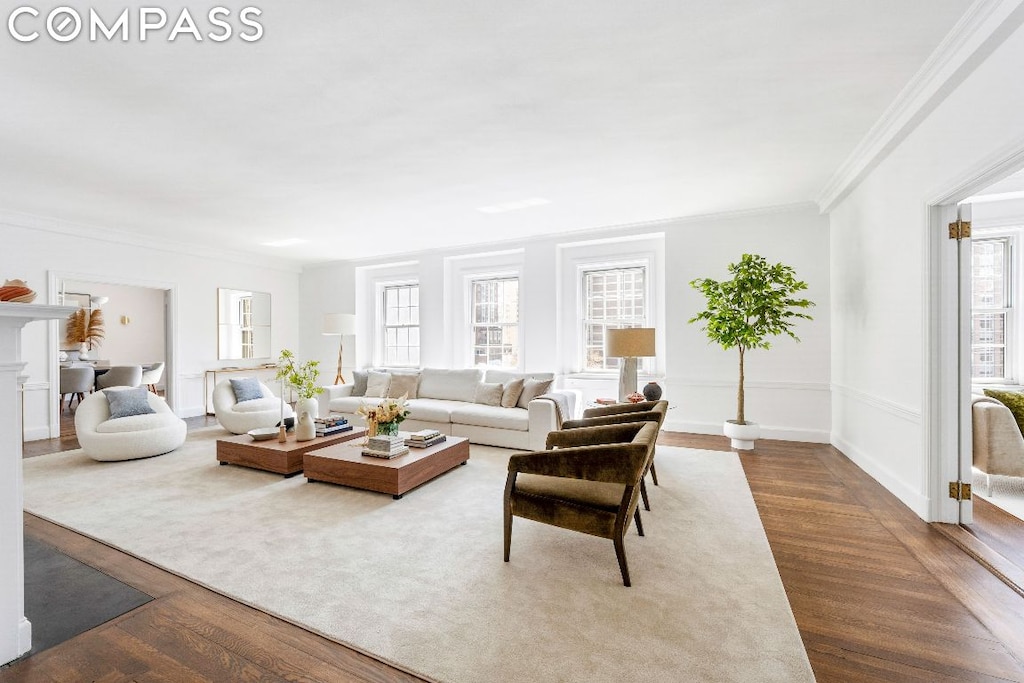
[{"x": 301, "y": 378}]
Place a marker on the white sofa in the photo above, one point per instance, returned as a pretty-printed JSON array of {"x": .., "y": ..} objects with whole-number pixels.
[
  {"x": 127, "y": 438},
  {"x": 445, "y": 402}
]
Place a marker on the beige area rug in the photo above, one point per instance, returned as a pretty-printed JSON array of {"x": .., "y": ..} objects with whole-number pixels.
[{"x": 420, "y": 582}]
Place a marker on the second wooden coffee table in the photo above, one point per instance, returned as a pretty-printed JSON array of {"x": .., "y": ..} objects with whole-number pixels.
[
  {"x": 272, "y": 456},
  {"x": 344, "y": 464}
]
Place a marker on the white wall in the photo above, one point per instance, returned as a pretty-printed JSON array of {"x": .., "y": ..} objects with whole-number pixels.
[
  {"x": 788, "y": 387},
  {"x": 39, "y": 247},
  {"x": 880, "y": 272}
]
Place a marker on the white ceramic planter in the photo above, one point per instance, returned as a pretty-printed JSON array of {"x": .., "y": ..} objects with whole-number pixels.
[
  {"x": 743, "y": 436},
  {"x": 309, "y": 405}
]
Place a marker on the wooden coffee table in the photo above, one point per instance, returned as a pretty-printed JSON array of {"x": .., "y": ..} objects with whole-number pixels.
[
  {"x": 344, "y": 464},
  {"x": 273, "y": 456}
]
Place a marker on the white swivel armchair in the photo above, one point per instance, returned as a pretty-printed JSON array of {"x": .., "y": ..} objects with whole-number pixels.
[
  {"x": 127, "y": 438},
  {"x": 239, "y": 418}
]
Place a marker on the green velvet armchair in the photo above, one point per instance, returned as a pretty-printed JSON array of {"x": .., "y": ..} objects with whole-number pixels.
[
  {"x": 589, "y": 483},
  {"x": 621, "y": 413}
]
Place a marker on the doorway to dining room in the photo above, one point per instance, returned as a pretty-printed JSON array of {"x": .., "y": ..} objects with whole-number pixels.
[{"x": 126, "y": 323}]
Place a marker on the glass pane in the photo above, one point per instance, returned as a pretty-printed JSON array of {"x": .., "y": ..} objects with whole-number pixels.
[{"x": 989, "y": 276}]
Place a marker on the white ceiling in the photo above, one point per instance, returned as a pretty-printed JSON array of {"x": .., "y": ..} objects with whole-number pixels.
[{"x": 372, "y": 128}]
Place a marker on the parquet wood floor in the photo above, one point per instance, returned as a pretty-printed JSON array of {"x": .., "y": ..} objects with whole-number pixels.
[{"x": 878, "y": 595}]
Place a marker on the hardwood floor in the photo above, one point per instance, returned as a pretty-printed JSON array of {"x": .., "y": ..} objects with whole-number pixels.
[{"x": 878, "y": 595}]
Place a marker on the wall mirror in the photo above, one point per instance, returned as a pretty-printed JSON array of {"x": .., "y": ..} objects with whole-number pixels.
[{"x": 243, "y": 324}]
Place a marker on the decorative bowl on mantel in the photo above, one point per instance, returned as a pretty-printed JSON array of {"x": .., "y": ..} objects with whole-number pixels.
[
  {"x": 263, "y": 433},
  {"x": 16, "y": 291}
]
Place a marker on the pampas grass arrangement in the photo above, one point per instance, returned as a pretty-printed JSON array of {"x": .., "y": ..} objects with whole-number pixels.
[{"x": 85, "y": 327}]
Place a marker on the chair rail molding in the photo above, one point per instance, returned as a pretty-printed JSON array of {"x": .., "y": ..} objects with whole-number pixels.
[
  {"x": 896, "y": 409},
  {"x": 747, "y": 384}
]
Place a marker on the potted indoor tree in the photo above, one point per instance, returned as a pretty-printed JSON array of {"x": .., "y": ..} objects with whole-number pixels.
[
  {"x": 744, "y": 312},
  {"x": 301, "y": 378}
]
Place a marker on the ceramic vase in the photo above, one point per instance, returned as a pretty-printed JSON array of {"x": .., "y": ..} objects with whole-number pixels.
[
  {"x": 652, "y": 391},
  {"x": 83, "y": 351},
  {"x": 310, "y": 405},
  {"x": 305, "y": 429}
]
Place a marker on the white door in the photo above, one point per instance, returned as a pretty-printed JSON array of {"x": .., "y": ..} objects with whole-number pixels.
[{"x": 955, "y": 367}]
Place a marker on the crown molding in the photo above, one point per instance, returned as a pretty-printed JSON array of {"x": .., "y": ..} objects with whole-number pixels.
[
  {"x": 59, "y": 226},
  {"x": 985, "y": 24}
]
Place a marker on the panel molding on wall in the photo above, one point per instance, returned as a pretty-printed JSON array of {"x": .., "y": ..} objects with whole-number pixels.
[{"x": 891, "y": 407}]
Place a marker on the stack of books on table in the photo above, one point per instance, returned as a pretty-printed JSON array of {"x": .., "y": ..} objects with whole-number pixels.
[
  {"x": 332, "y": 424},
  {"x": 424, "y": 438},
  {"x": 385, "y": 447}
]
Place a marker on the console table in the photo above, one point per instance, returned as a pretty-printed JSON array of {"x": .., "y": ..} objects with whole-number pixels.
[
  {"x": 15, "y": 629},
  {"x": 210, "y": 379}
]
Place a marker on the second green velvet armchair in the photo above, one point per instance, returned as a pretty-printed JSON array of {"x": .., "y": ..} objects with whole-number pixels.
[{"x": 589, "y": 483}]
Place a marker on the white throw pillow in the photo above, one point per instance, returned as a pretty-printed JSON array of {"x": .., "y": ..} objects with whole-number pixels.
[
  {"x": 377, "y": 384},
  {"x": 489, "y": 394},
  {"x": 513, "y": 390},
  {"x": 403, "y": 384},
  {"x": 532, "y": 388}
]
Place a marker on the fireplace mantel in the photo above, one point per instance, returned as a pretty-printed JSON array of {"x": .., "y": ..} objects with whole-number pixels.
[{"x": 15, "y": 629}]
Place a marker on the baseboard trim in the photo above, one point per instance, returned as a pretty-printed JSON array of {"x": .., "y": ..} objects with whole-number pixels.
[
  {"x": 912, "y": 499},
  {"x": 191, "y": 411},
  {"x": 24, "y": 636},
  {"x": 39, "y": 433},
  {"x": 767, "y": 432}
]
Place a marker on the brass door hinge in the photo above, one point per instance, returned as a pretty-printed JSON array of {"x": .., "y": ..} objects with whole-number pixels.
[
  {"x": 959, "y": 230},
  {"x": 959, "y": 490}
]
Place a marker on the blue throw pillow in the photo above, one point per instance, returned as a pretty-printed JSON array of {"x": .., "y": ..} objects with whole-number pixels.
[
  {"x": 128, "y": 402},
  {"x": 246, "y": 389}
]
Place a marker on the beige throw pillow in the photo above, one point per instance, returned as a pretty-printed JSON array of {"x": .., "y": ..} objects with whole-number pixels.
[
  {"x": 403, "y": 384},
  {"x": 513, "y": 390},
  {"x": 488, "y": 394},
  {"x": 532, "y": 388},
  {"x": 377, "y": 384}
]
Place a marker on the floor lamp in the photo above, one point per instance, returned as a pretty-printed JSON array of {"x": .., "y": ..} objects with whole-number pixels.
[
  {"x": 629, "y": 343},
  {"x": 338, "y": 325}
]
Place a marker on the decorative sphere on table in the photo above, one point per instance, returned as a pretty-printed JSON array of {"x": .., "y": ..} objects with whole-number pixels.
[{"x": 652, "y": 391}]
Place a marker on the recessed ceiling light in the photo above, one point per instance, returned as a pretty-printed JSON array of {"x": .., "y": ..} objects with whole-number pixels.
[
  {"x": 285, "y": 243},
  {"x": 514, "y": 206}
]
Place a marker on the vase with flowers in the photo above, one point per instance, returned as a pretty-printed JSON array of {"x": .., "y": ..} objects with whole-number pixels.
[
  {"x": 385, "y": 417},
  {"x": 302, "y": 379}
]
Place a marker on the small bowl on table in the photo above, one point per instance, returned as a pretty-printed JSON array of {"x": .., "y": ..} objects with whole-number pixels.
[{"x": 263, "y": 433}]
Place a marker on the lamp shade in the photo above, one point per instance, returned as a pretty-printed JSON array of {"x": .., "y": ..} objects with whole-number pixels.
[
  {"x": 630, "y": 342},
  {"x": 339, "y": 323}
]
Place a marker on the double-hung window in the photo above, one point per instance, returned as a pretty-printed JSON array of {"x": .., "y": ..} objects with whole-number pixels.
[
  {"x": 245, "y": 318},
  {"x": 401, "y": 315},
  {"x": 991, "y": 308},
  {"x": 495, "y": 321},
  {"x": 612, "y": 298}
]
